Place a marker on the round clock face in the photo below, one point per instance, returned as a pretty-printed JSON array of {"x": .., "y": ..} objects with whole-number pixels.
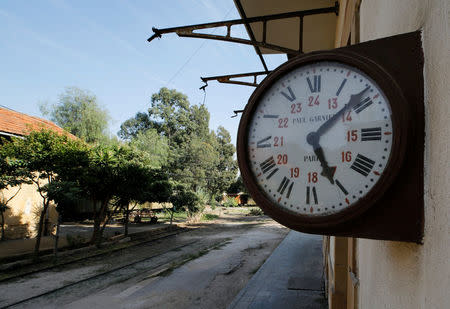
[{"x": 319, "y": 138}]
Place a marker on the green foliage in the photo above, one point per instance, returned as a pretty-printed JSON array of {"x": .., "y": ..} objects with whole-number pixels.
[
  {"x": 224, "y": 173},
  {"x": 186, "y": 199},
  {"x": 230, "y": 202},
  {"x": 209, "y": 217},
  {"x": 45, "y": 154},
  {"x": 237, "y": 186},
  {"x": 75, "y": 241},
  {"x": 195, "y": 155},
  {"x": 79, "y": 112},
  {"x": 152, "y": 147},
  {"x": 255, "y": 211},
  {"x": 133, "y": 126}
]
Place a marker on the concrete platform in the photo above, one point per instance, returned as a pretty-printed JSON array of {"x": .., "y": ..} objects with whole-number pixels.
[{"x": 292, "y": 277}]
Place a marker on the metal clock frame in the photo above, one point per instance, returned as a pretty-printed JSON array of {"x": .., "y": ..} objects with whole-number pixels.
[{"x": 400, "y": 122}]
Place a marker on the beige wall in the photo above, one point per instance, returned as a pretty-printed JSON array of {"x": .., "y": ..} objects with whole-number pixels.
[
  {"x": 22, "y": 217},
  {"x": 402, "y": 275}
]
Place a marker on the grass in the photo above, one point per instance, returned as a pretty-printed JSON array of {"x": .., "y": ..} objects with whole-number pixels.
[
  {"x": 255, "y": 211},
  {"x": 209, "y": 217},
  {"x": 164, "y": 216}
]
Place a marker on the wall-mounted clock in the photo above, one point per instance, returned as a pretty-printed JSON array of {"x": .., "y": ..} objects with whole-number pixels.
[{"x": 322, "y": 139}]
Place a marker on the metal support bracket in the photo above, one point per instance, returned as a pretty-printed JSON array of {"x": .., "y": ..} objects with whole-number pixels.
[
  {"x": 228, "y": 79},
  {"x": 188, "y": 31}
]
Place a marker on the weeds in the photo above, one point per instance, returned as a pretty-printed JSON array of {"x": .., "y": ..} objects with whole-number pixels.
[{"x": 209, "y": 217}]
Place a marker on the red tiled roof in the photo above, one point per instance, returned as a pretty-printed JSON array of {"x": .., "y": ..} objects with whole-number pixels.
[{"x": 16, "y": 123}]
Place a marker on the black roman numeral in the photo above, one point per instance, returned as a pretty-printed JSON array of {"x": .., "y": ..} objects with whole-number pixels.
[
  {"x": 284, "y": 184},
  {"x": 315, "y": 85},
  {"x": 291, "y": 96},
  {"x": 362, "y": 105},
  {"x": 262, "y": 143},
  {"x": 270, "y": 116},
  {"x": 341, "y": 86},
  {"x": 362, "y": 165},
  {"x": 341, "y": 187},
  {"x": 371, "y": 134},
  {"x": 268, "y": 167},
  {"x": 308, "y": 194}
]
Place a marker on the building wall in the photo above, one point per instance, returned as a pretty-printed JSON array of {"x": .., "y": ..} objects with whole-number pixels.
[
  {"x": 23, "y": 216},
  {"x": 403, "y": 275}
]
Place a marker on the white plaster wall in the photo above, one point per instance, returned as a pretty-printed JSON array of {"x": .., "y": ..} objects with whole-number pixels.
[{"x": 401, "y": 275}]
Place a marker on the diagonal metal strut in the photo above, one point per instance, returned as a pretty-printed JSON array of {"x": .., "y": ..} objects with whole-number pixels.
[
  {"x": 188, "y": 31},
  {"x": 228, "y": 79}
]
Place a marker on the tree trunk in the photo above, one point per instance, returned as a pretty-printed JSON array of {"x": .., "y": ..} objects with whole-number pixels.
[
  {"x": 3, "y": 225},
  {"x": 98, "y": 230},
  {"x": 171, "y": 216},
  {"x": 55, "y": 249},
  {"x": 39, "y": 232},
  {"x": 127, "y": 215}
]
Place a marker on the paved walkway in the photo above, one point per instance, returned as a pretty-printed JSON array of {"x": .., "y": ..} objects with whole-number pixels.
[{"x": 292, "y": 277}]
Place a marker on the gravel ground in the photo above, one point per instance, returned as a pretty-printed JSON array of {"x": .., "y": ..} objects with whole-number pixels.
[{"x": 205, "y": 268}]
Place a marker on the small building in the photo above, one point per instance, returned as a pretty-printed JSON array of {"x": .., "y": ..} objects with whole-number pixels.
[{"x": 22, "y": 217}]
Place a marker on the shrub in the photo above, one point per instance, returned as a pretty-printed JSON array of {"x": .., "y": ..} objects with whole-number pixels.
[
  {"x": 209, "y": 217},
  {"x": 230, "y": 202},
  {"x": 256, "y": 212},
  {"x": 75, "y": 241}
]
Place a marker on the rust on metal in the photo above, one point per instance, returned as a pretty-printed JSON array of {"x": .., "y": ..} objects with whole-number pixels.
[
  {"x": 229, "y": 79},
  {"x": 188, "y": 31}
]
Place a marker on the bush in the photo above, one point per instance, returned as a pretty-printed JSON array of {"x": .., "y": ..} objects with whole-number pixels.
[
  {"x": 186, "y": 199},
  {"x": 256, "y": 212},
  {"x": 209, "y": 217},
  {"x": 75, "y": 241},
  {"x": 230, "y": 202}
]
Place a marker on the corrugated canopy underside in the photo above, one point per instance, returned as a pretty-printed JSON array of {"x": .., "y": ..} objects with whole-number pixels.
[{"x": 318, "y": 30}]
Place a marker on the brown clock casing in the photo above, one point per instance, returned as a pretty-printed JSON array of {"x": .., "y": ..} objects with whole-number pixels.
[{"x": 394, "y": 209}]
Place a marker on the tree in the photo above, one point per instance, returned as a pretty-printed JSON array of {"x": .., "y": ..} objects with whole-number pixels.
[
  {"x": 184, "y": 198},
  {"x": 195, "y": 154},
  {"x": 237, "y": 186},
  {"x": 152, "y": 147},
  {"x": 226, "y": 169},
  {"x": 131, "y": 127},
  {"x": 40, "y": 152},
  {"x": 13, "y": 173},
  {"x": 79, "y": 112},
  {"x": 139, "y": 184}
]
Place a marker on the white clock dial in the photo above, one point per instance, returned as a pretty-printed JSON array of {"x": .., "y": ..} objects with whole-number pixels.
[{"x": 320, "y": 138}]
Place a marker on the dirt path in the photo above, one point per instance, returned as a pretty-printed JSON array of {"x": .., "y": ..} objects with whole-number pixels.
[{"x": 204, "y": 268}]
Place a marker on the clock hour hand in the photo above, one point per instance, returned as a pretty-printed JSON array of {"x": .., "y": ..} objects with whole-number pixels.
[
  {"x": 354, "y": 99},
  {"x": 327, "y": 171}
]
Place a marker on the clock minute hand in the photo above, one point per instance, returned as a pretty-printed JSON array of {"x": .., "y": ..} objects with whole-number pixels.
[
  {"x": 354, "y": 100},
  {"x": 314, "y": 137}
]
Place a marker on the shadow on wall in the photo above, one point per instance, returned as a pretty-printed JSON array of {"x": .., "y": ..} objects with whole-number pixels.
[{"x": 22, "y": 217}]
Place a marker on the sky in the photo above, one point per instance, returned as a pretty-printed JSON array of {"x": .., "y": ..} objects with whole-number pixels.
[{"x": 101, "y": 46}]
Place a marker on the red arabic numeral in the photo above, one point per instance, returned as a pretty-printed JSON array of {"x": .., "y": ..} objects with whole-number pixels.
[
  {"x": 332, "y": 103},
  {"x": 346, "y": 156},
  {"x": 312, "y": 177},
  {"x": 283, "y": 122},
  {"x": 282, "y": 159},
  {"x": 295, "y": 172},
  {"x": 347, "y": 116},
  {"x": 352, "y": 136},
  {"x": 313, "y": 101}
]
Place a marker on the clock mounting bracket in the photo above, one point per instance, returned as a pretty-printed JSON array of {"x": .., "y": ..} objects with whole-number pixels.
[{"x": 397, "y": 212}]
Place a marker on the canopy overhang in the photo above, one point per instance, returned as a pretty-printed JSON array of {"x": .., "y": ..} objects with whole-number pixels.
[{"x": 318, "y": 30}]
